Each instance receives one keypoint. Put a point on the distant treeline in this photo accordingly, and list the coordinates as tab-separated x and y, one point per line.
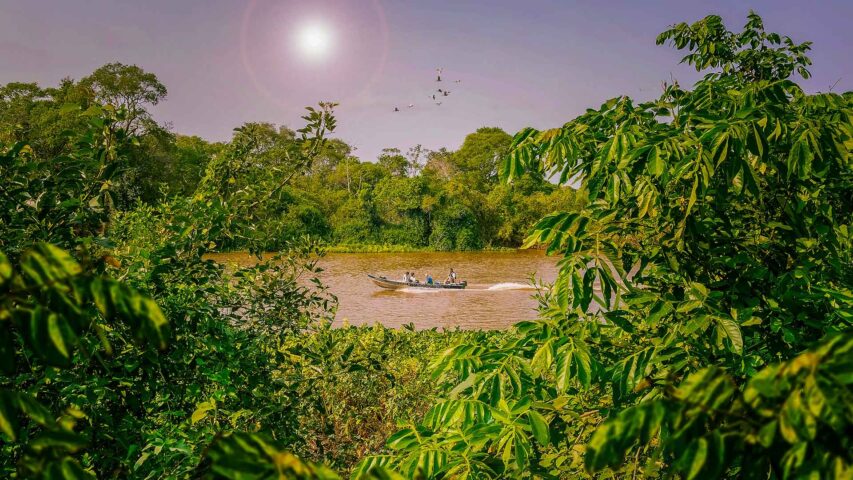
435	199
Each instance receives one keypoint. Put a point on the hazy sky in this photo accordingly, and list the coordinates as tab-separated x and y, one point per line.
521	63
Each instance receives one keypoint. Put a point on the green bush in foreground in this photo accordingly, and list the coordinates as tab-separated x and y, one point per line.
700	323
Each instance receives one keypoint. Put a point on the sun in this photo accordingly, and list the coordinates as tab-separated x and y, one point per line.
314	40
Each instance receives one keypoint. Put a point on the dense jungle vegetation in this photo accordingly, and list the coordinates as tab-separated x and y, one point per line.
420	199
700	326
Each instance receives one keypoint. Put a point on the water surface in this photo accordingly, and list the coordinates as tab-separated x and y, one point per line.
498	294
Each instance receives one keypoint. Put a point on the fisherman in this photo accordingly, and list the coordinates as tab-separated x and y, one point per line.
451	277
429	279
406	278
414	278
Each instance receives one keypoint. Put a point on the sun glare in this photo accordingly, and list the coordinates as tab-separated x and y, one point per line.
314	40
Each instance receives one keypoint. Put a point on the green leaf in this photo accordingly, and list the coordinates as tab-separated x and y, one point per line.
201	410
69	108
620	319
403	439
730	330
522	451
704	457
67	469
247	455
49	336
720	148
59	439
573	361
659	310
655	162
544	357
9	414
632	427
539	427
34	410
45	263
5	269
373	467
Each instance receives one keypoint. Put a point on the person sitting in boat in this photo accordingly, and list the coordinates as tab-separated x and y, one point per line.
406	278
414	278
429	279
451	277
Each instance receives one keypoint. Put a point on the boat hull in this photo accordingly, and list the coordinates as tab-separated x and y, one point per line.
395	285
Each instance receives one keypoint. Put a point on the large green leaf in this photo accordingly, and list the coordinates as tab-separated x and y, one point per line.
539	427
730	330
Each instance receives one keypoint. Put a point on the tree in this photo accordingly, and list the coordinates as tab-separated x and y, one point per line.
66	200
416	156
261	160
128	87
752	55
477	159
700	322
42	117
439	165
93	378
18	100
394	161
190	157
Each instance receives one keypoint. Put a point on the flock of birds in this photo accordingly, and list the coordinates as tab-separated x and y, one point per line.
438	93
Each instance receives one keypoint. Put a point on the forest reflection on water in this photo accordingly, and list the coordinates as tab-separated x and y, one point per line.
499	292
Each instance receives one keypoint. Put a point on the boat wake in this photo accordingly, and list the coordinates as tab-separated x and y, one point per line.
425	290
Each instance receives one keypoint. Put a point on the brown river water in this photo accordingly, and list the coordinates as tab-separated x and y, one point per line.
498	295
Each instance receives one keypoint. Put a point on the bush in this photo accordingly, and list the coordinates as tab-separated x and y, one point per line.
454	228
700	322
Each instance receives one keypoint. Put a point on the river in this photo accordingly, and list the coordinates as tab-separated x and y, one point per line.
498	293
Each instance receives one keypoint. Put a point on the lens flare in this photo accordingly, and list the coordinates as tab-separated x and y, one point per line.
291	42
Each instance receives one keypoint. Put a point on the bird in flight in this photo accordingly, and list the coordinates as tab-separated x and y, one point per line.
437	94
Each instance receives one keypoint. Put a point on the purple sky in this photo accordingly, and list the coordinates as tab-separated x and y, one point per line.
536	63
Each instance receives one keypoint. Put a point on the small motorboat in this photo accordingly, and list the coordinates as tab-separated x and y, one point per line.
395	285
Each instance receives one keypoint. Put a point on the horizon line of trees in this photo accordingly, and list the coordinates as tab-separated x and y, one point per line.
441	199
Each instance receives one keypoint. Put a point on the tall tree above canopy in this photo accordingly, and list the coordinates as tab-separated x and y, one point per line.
128	87
394	161
479	154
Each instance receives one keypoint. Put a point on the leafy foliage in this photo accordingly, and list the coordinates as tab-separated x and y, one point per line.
287	183
54	314
67	199
249	456
712	250
699	326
